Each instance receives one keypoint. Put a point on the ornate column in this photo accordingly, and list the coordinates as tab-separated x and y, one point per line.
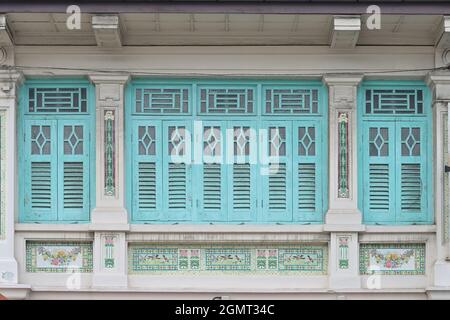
109	219
439	83
10	82
110	186
343	210
343	218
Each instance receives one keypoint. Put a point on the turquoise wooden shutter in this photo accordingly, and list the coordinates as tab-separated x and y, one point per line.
73	168
40	170
212	172
177	170
307	188
276	199
379	171
147	170
242	170
411	171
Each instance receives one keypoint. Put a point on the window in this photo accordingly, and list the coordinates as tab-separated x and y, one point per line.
228	152
396	153
56	151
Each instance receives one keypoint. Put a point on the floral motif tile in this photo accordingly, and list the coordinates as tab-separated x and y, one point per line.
58	256
392	259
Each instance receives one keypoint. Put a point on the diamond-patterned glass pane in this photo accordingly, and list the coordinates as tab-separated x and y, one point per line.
147	140
306	141
378	142
277	141
40	140
73	140
241	141
212	141
177	140
410	141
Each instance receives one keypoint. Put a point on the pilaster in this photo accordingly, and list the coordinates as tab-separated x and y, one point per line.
109	219
439	83
343	213
10	82
110	212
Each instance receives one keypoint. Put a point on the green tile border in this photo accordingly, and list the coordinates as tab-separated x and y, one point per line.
227	259
86	251
368	249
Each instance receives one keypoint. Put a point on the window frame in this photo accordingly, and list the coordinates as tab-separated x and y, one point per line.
396	120
258	116
88	117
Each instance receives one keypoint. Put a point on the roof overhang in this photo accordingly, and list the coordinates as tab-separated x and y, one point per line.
404	7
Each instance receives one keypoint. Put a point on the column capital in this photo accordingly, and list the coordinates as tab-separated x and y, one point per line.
333	79
109	78
11	76
439	83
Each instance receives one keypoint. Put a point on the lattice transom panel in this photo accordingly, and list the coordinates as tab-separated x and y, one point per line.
291	101
162	100
227	101
57	100
394	101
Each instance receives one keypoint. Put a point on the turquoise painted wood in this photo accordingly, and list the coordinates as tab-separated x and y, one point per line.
222	173
177	170
396	156
211	173
242	137
276	194
379	167
307	173
147	167
57	152
411	180
40	170
73	170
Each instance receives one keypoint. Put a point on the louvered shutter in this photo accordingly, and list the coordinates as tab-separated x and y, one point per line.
177	204
147	170
40	181
212	172
307	189
379	170
242	170
276	171
73	168
411	173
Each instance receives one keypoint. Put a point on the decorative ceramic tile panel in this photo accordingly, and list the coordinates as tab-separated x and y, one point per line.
392	259
110	153
446	214
343	242
228	259
2	175
58	256
343	160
